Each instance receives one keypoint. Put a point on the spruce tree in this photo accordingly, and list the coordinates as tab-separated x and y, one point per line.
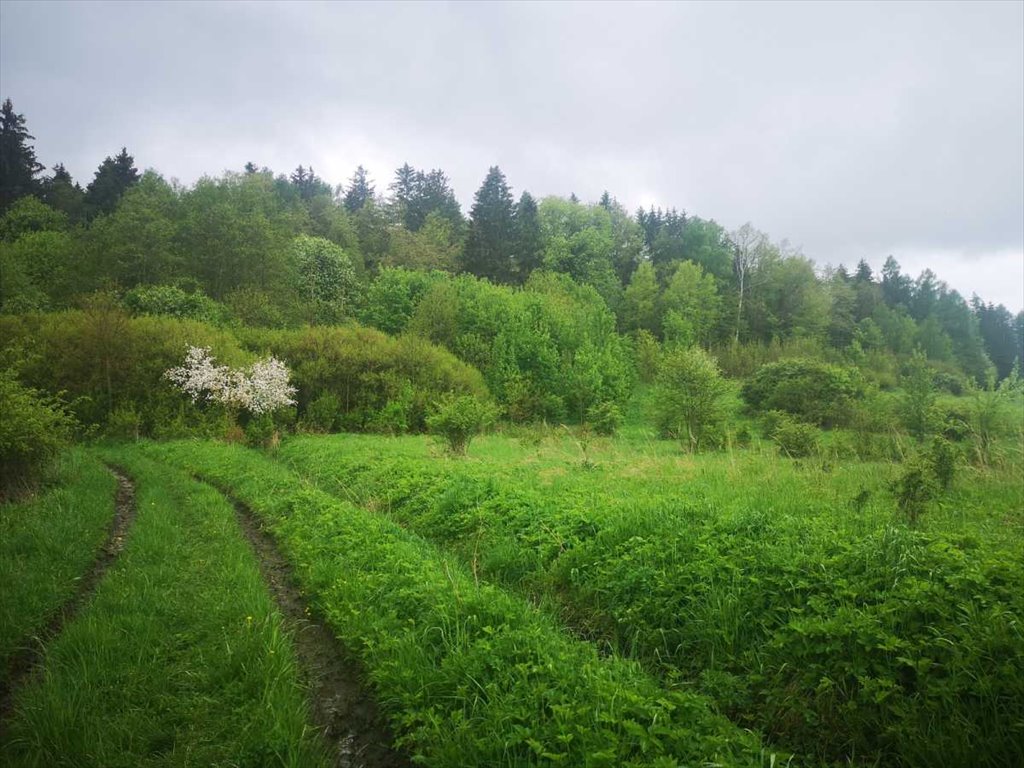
308	184
491	230
405	190
529	253
115	176
863	273
18	164
62	193
359	192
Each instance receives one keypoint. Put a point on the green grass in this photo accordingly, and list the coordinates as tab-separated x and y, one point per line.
469	674
180	658
47	544
827	624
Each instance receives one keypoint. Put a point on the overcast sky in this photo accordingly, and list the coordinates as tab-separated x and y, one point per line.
853	130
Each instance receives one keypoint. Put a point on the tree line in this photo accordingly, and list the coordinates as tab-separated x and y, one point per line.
275	250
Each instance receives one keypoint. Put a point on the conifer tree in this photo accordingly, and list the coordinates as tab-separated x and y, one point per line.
491	229
62	193
113	178
529	247
18	164
360	190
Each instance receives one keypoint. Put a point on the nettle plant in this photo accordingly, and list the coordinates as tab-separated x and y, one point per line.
258	390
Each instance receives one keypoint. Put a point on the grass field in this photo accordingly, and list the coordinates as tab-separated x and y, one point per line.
179	658
544	600
790	593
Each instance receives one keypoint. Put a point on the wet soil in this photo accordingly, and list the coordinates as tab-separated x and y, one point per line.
343	707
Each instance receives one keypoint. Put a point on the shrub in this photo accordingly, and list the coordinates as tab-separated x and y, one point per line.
815	392
948	382
381	383
943	457
605	418
322	414
260	432
459	418
172	301
34	428
914	488
689	398
795	439
918	400
124	423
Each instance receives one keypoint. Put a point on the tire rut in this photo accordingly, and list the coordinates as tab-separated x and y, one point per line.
27	662
343	708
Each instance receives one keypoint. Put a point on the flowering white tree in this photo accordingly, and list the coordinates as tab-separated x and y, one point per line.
259	389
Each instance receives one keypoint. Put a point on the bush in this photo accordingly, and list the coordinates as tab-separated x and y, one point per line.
172	301
124	423
815	392
605	418
260	432
794	439
689	398
34	428
914	488
458	419
380	383
943	457
918	400
322	414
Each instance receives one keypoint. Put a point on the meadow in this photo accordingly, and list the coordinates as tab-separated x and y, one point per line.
549	598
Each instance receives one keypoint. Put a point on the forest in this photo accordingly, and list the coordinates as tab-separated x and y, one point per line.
569	484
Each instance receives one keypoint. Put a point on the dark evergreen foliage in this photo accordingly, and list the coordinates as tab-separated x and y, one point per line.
18	164
113	178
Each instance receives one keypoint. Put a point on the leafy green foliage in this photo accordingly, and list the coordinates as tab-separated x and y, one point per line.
605	418
458	419
914	488
33	430
468	673
689	399
795	439
813	391
744	577
171	301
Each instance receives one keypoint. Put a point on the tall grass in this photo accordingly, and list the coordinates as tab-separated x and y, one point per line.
179	659
469	674
789	592
47	543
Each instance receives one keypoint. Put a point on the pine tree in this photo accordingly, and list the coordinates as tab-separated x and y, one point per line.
863	273
360	190
606	201
529	253
405	191
491	229
308	184
18	164
62	193
437	196
115	176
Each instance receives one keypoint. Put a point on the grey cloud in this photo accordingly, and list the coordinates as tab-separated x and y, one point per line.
853	129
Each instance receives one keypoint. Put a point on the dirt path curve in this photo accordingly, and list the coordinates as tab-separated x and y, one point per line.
343	707
26	662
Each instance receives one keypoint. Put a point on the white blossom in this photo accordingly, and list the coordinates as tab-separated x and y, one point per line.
261	388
